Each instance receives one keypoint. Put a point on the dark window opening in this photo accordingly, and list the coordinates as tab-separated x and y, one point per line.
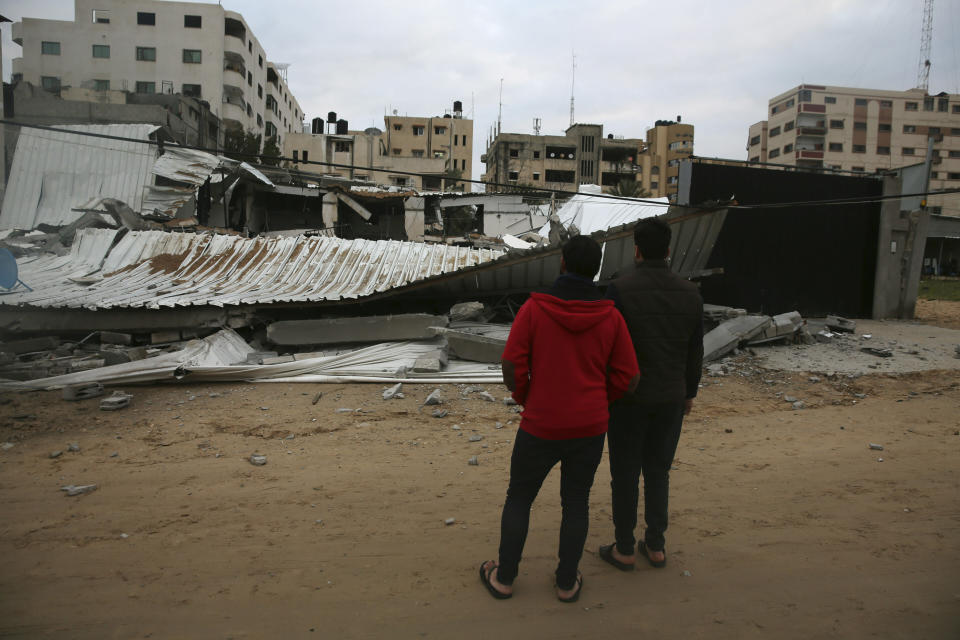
146	18
554	175
192	22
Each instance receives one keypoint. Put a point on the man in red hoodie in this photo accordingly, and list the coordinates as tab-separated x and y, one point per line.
568	356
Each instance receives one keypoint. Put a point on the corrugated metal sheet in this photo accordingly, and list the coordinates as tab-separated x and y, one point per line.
591	214
156	269
54	172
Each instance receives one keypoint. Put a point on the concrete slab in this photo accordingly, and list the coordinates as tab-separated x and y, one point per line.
784	325
468	346
410	326
432	362
731	333
466	311
837	323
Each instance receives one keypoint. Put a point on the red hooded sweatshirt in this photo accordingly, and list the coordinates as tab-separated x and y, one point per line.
571	359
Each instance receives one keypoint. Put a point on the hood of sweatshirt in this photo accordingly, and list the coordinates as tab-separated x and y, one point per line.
576	316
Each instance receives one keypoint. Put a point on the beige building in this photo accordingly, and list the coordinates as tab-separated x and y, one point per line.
584	156
817	126
433	147
200	50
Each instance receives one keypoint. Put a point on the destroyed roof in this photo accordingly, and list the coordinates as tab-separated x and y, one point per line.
54	172
157	269
590	213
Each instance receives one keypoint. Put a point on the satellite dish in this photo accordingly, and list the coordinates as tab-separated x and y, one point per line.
9	272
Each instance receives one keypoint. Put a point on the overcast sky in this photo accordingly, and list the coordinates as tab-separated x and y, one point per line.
714	62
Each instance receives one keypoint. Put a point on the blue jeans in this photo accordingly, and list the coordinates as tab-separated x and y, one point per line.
643	441
532	460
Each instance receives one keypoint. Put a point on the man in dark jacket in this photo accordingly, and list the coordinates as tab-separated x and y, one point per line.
664	314
568	356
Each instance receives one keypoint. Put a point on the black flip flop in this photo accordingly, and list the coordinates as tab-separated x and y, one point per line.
658	564
606	554
485	579
576	594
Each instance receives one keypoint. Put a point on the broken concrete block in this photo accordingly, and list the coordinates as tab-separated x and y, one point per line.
473	461
277	359
785	325
720	313
408	326
82	391
439	413
393	392
466	311
78	489
876	447
118	400
880	352
114	337
840	324
485	395
468	346
258	460
730	333
433	398
510	402
432	362
162	337
824	336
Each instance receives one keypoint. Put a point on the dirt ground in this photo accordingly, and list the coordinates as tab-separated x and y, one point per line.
784	522
943	313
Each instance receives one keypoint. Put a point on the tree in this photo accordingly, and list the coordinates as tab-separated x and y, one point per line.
271	152
451	176
240	145
629	189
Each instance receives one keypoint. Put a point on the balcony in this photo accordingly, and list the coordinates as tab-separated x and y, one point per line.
233	27
16	32
818	130
234	62
806	107
805	153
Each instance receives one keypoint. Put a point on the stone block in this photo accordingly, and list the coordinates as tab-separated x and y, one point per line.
432	362
730	333
468	346
466	311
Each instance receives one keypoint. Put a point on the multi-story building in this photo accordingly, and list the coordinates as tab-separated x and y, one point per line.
438	149
869	130
199	50
583	156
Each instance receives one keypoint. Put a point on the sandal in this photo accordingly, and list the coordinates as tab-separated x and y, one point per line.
485	579
576	594
659	564
606	554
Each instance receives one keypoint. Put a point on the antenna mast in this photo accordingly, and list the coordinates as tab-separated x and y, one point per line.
573	76
500	110
926	37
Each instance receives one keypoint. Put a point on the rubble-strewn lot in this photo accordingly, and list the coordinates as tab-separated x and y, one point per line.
786	523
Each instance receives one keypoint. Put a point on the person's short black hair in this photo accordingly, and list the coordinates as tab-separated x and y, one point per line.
582	256
652	237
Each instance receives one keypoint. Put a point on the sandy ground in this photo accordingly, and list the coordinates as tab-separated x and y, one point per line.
785	524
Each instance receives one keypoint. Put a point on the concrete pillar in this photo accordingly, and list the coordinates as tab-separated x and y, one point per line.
329	210
413	218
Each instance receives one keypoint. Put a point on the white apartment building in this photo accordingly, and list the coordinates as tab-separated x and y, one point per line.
151	46
868	130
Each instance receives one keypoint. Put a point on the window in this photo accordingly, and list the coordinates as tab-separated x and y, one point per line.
859	126
536	176
192	90
909	128
910	106
836	124
787	148
305	156
50	83
417	153
463	163
259	90
654	185
295	155
101	85
754	140
655	171
147	54
955	154
928	104
933	130
50	48
513	175
774	154
860	102
146	87
250	46
805	95
942	104
788	126
836	146
442	154
859	148
672	180
774	132
192	22
101	16
440	131
259	120
101	51
774	110
755	159
249	110
954	131
514	153
260	61
145	18
555	175
790	103
455	138
886	104
955	108
192	56
883	127
909	151
953	176
417	130
536	154
396	151
829	100
249	79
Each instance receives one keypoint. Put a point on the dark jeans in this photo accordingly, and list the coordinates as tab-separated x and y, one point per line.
643	440
532	460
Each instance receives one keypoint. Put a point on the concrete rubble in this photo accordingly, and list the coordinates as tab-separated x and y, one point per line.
836	323
728	335
410	326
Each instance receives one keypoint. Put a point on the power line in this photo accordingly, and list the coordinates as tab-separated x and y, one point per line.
514	188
